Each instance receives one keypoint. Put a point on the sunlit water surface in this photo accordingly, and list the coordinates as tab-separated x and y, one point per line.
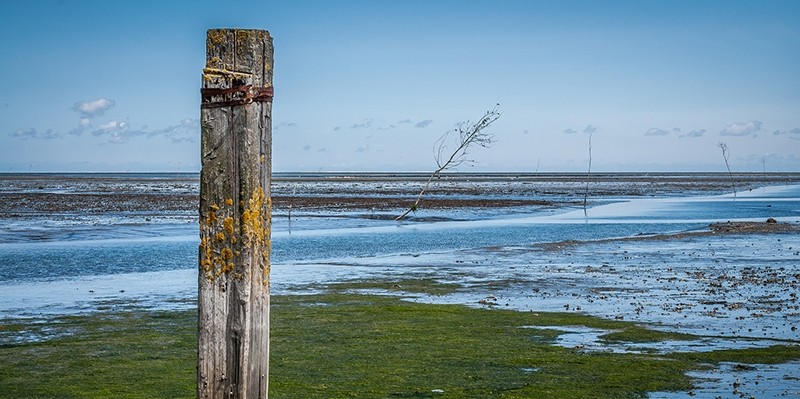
159	260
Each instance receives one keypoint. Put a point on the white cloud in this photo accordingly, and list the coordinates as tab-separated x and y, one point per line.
694	133
89	109
741	129
307	147
109	126
32	133
185	131
372	124
117	132
283	125
589	129
795	131
367	123
424	123
654	131
78	130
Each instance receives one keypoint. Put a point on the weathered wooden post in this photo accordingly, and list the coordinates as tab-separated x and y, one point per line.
235	212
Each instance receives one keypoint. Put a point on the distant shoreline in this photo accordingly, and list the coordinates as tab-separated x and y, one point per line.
425	174
43	195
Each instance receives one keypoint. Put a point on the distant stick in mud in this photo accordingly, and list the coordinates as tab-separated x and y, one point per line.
588	173
468	135
590	131
725	154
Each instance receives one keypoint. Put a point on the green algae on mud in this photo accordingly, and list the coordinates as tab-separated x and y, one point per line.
338	345
384	347
402	286
129	354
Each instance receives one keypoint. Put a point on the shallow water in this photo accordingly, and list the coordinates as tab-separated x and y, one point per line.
742	381
66	252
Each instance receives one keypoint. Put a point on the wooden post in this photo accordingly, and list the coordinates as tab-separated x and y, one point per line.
235	215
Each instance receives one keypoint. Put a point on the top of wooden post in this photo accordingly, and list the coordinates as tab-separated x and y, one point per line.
237	58
242	56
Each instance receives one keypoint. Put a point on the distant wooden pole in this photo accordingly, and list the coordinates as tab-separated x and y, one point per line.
235	215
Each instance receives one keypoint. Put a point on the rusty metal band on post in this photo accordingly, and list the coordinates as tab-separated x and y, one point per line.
239	95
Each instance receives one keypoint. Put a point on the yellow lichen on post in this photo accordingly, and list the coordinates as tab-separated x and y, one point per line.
214	38
208	73
217	237
267	248
253	224
220	231
256	229
227	224
218	53
243	37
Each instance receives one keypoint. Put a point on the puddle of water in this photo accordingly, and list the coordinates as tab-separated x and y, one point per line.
591	340
733	380
530	369
173	289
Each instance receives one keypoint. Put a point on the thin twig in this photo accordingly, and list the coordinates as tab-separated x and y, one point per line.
725	154
588	175
468	135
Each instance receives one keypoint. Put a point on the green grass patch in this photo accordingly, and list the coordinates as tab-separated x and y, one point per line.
341	345
399	286
380	347
639	334
106	355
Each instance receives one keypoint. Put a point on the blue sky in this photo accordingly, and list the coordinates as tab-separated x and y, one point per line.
371	85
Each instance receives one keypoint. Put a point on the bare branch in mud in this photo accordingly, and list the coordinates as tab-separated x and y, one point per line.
457	143
725	154
588	175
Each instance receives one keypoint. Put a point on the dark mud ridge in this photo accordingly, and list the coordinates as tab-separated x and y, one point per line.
770	226
382	203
